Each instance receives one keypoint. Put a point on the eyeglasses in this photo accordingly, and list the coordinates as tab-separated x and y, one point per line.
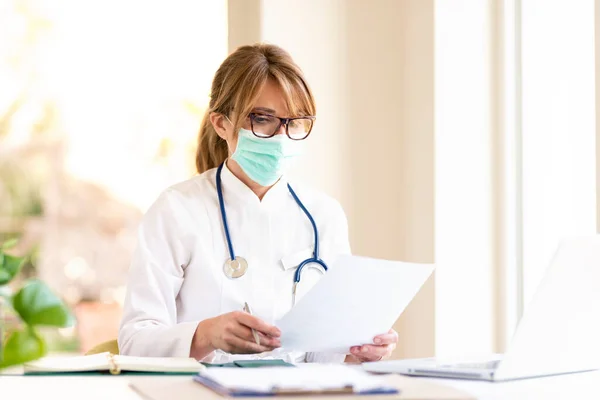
266	126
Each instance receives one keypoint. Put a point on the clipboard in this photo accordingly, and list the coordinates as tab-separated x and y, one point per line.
346	390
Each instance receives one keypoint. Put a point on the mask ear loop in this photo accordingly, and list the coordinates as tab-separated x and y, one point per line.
228	148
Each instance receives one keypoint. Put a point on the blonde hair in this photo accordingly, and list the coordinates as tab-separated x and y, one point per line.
236	86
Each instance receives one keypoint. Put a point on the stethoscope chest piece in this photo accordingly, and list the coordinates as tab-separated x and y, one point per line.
235	268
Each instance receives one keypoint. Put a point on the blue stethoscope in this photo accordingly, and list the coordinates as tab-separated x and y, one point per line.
236	266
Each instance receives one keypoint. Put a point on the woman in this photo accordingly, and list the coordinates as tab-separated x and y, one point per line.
187	284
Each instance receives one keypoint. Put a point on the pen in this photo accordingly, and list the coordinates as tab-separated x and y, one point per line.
254	333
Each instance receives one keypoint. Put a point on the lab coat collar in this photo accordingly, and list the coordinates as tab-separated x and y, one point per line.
274	197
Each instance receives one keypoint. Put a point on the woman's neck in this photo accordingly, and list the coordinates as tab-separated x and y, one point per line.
236	170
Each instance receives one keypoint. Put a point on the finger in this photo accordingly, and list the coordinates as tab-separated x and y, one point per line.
238	345
386	338
256	323
269	341
245	333
371	352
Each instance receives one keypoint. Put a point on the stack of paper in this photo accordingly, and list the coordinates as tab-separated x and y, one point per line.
313	378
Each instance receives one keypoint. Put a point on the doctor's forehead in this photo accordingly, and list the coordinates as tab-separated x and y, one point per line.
271	100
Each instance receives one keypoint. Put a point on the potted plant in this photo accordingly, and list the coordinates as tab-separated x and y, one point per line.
23	310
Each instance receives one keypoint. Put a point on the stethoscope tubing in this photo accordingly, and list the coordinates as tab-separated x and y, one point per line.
224	213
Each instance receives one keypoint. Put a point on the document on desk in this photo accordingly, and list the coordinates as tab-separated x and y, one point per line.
315	379
357	299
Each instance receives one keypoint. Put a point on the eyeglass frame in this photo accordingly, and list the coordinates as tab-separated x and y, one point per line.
282	121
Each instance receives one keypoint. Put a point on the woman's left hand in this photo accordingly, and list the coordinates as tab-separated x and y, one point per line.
382	349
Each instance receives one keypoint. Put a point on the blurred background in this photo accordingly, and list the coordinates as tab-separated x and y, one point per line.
456	131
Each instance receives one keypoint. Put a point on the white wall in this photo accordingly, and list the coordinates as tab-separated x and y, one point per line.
597	99
559	132
391	158
465	288
245	16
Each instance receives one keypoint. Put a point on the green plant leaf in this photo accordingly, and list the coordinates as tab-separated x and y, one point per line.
37	305
4	277
22	346
9	267
8	244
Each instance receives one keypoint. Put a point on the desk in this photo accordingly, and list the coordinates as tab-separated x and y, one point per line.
585	385
575	386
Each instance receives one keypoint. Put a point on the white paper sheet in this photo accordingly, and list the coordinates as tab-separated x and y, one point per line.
315	377
356	300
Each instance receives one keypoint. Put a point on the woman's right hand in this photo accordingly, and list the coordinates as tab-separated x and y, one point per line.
232	333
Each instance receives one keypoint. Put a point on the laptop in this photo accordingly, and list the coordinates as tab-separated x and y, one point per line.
558	333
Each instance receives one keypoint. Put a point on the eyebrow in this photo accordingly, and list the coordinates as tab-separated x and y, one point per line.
265	110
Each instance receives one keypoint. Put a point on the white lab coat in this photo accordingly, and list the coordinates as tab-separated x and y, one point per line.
176	278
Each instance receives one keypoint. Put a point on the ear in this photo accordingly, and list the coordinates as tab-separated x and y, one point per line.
221	125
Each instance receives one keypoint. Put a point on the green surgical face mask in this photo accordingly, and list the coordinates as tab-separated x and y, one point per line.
265	160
